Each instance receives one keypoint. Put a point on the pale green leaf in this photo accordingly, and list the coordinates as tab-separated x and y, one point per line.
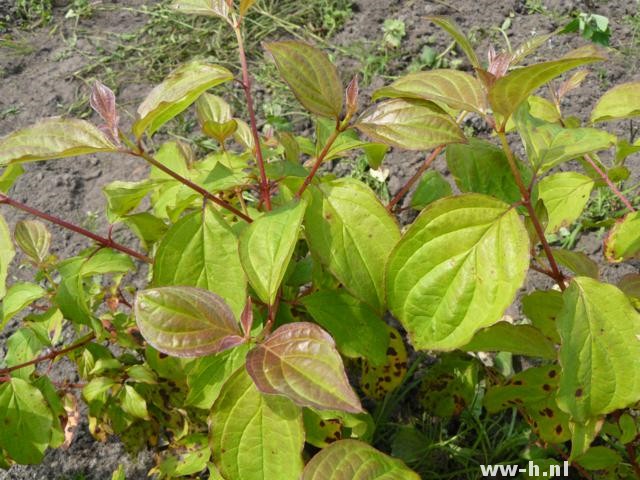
33	238
26	421
9	176
352	234
255	436
311	76
201	250
19	296
122	197
299	361
565	195
53	138
622	101
133	403
623	242
23	346
7	252
456	270
600	333
266	247
341	315
409	124
355	460
517	339
542	308
508	92
212	8
186	321
211	108
578	262
456	89
180	89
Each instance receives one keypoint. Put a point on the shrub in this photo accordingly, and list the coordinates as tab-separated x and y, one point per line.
266	274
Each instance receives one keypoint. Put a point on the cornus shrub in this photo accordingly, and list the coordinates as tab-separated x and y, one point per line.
266	277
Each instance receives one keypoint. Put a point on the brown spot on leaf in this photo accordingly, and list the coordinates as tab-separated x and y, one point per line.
558	429
579	393
552	373
392	351
546	387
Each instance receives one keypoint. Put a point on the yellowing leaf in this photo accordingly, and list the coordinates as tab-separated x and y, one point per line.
180	89
33	238
600	333
453	88
379	380
213	8
53	138
622	101
7	252
565	195
623	241
409	124
456	270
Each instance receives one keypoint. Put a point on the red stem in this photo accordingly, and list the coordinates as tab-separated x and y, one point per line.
193	186
319	160
105	242
246	85
49	356
611	185
423	168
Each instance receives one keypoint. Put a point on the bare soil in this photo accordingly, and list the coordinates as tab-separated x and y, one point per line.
40	82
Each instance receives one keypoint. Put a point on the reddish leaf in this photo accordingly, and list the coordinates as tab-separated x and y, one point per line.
103	101
300	361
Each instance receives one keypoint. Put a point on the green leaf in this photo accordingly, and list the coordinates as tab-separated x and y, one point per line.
201	251
9	176
623	242
209	375
211	108
180	89
19	296
482	167
23	346
578	262
148	228
432	187
600	332
341	315
26	421
355	460
453	88
533	390
352	234
266	247
311	76
7	252
186	321
565	195
456	270
517	339
508	92
33	238
133	403
409	124
463	42
621	101
549	144
53	138
299	360
598	458
255	436
122	197
212	8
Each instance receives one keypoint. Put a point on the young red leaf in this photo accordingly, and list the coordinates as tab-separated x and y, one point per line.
246	319
103	101
299	360
353	89
186	321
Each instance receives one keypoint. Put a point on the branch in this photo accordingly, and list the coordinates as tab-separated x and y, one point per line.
330	141
526	200
246	85
49	356
105	242
193	186
611	185
423	168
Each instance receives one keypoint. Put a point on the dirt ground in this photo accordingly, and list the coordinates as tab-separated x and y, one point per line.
40	82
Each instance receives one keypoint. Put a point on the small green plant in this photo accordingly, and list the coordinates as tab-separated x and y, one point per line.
258	349
591	26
